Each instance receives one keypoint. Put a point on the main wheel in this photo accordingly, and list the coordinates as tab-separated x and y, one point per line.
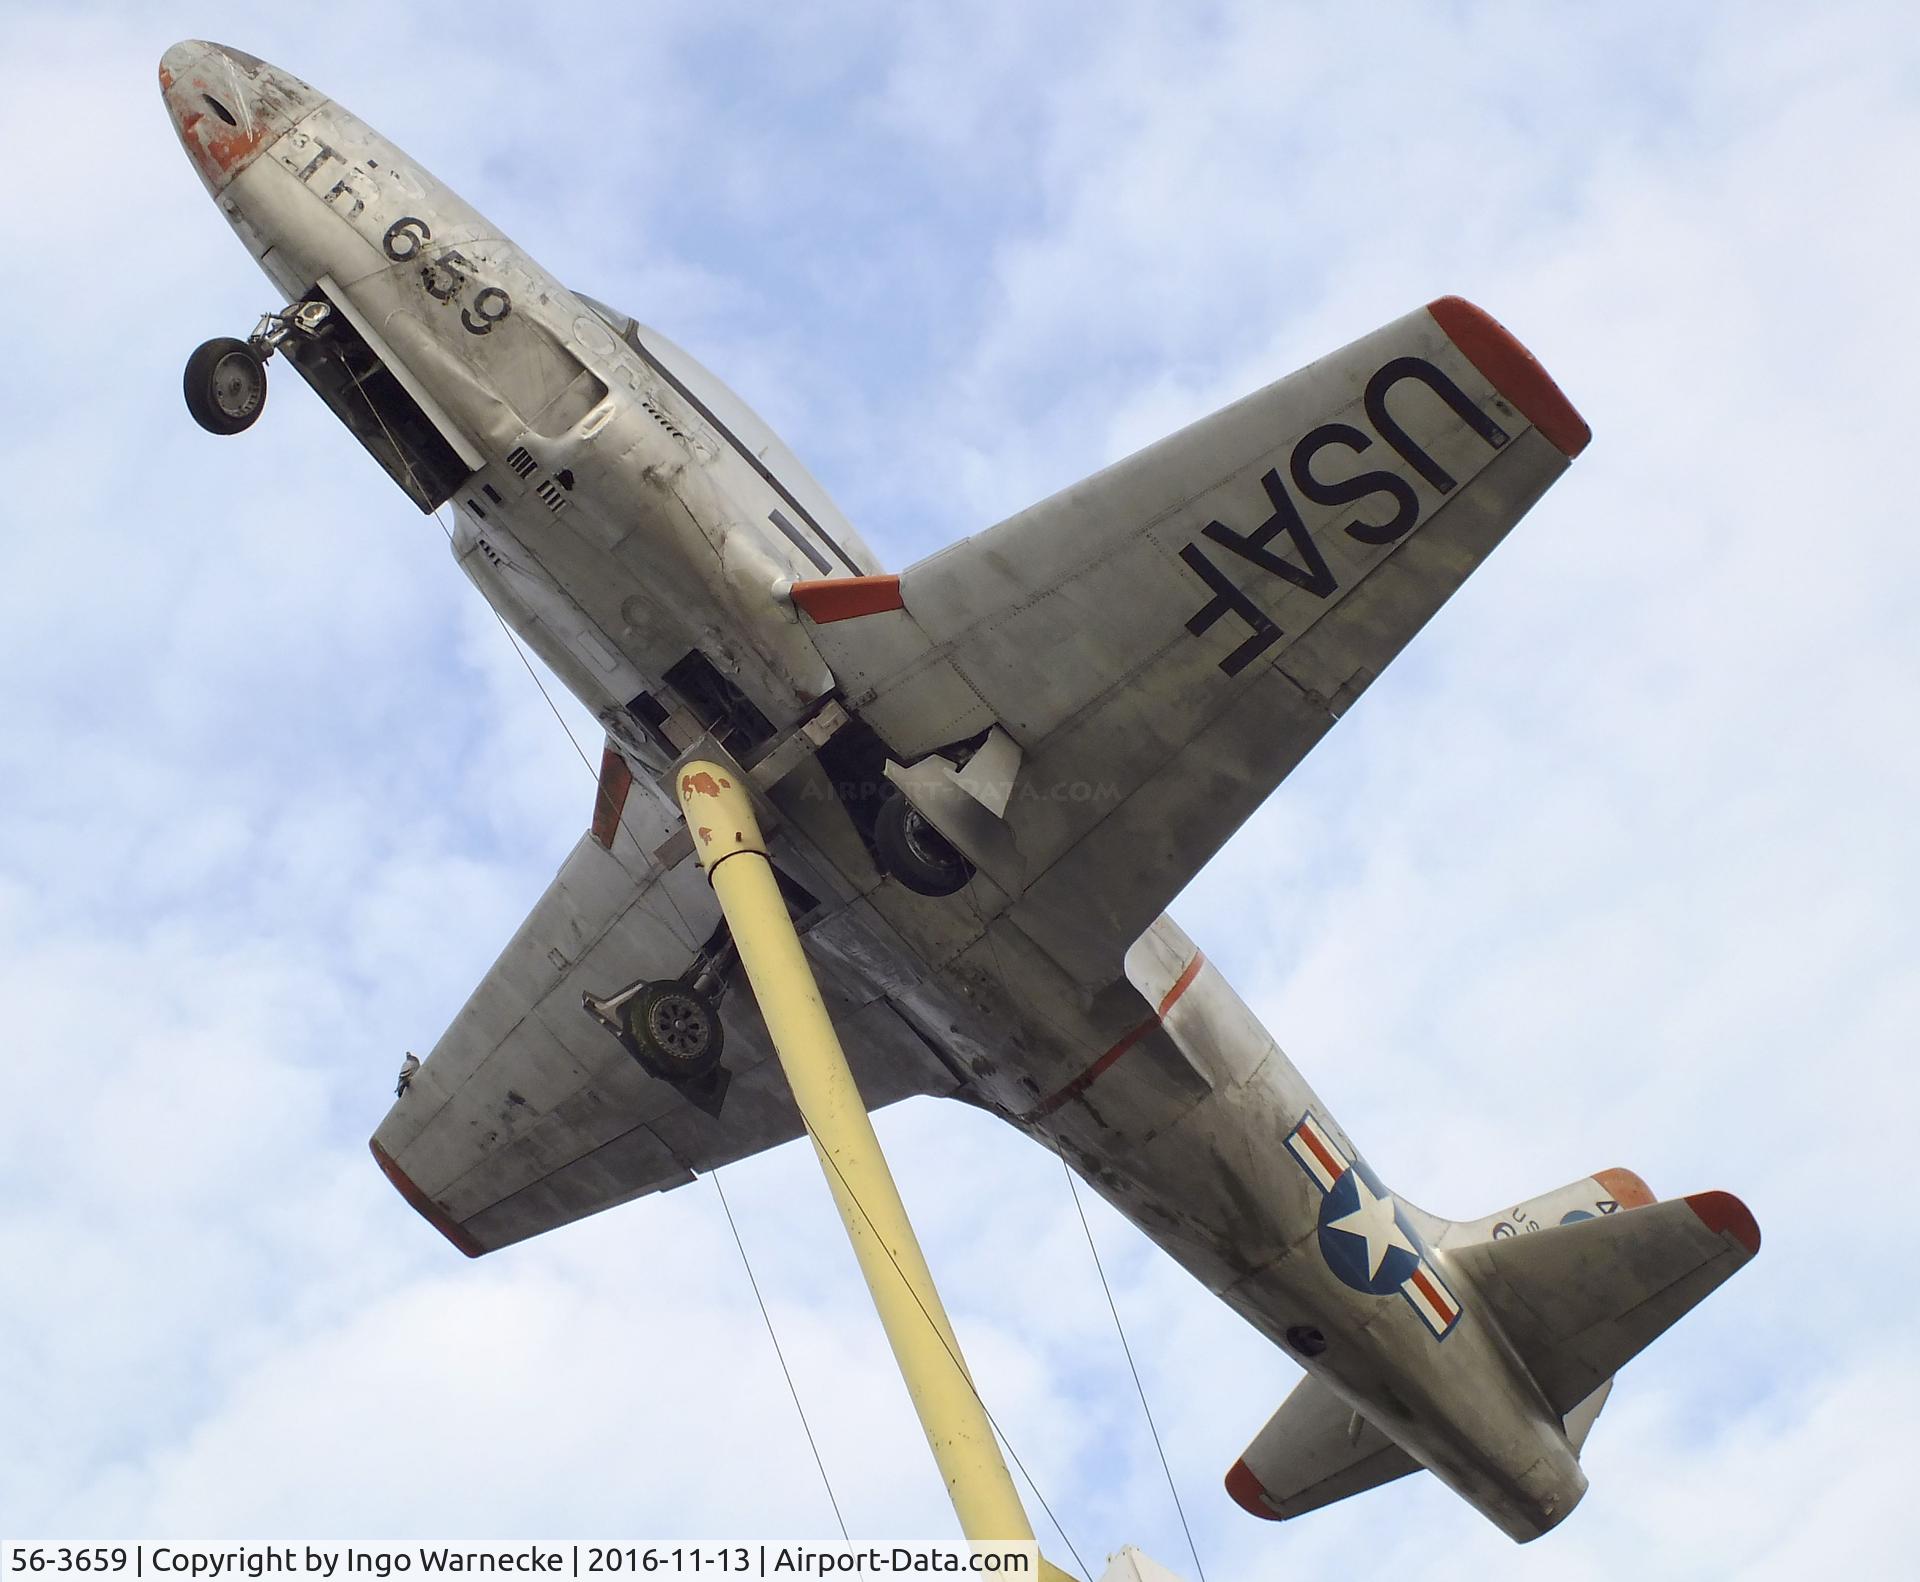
677	1030
225	385
916	853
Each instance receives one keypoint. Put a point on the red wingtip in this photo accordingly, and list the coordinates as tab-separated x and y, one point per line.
842	598
1625	1188
423	1205
1512	370
1247	1493
1722	1211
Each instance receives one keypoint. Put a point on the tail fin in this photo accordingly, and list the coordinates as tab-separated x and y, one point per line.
1583	1296
1580	1280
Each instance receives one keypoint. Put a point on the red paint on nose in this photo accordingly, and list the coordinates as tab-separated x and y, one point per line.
227	106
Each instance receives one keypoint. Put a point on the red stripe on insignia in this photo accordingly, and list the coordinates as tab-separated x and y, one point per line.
423	1205
844	598
1514	371
1432	1293
1087	1078
1332	1165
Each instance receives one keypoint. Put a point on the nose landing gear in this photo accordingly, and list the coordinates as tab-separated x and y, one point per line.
226	379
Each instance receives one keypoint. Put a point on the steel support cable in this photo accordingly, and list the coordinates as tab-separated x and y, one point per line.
1073	1188
713	1175
513	641
824	1154
1024	1473
528	663
873	1230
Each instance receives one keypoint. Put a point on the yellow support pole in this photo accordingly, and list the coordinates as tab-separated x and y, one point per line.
728	842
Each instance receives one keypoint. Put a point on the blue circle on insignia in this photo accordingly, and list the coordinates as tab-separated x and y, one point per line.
1574	1216
1365	1239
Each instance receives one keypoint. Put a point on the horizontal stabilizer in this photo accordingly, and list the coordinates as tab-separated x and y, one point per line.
1316	1449
1579	1301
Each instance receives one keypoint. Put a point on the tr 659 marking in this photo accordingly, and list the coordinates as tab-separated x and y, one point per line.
446	275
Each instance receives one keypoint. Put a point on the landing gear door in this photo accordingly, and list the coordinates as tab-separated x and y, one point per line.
383	405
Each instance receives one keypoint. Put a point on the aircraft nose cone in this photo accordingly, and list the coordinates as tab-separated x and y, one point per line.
228	105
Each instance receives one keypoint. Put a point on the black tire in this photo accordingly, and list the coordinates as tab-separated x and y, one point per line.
916	853
676	1029
225	385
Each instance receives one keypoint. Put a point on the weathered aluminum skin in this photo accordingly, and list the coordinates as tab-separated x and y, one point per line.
628	509
625	530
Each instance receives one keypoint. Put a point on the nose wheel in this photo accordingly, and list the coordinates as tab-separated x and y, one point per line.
226	379
226	385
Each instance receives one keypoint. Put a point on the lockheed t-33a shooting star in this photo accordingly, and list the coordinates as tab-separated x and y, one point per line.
983	779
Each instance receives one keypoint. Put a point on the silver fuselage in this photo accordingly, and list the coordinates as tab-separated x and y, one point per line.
623	511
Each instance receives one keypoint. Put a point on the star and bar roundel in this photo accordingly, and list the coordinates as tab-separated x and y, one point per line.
1367	1241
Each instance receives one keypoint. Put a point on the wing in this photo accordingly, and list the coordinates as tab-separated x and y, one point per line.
1316	1449
1580	1301
529	1114
1146	655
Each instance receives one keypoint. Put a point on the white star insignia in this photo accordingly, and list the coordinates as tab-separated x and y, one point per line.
1375	1222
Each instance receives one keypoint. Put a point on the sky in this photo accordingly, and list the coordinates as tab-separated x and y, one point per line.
1614	867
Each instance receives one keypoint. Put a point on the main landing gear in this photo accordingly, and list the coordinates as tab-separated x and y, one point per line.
676	1027
916	853
226	379
671	1026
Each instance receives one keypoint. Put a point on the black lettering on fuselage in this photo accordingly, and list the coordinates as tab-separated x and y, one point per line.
343	189
321	154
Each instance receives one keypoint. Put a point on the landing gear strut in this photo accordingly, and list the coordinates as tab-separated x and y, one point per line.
226	379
